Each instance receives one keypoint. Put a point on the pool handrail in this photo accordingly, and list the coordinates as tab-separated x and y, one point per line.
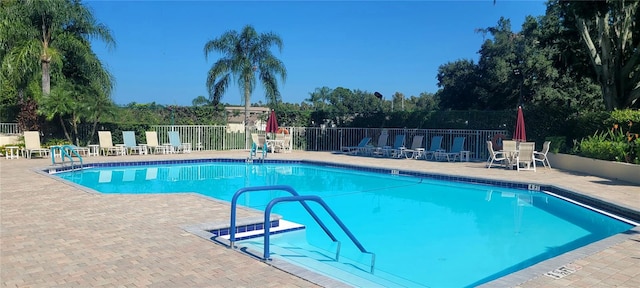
286	188
302	199
64	152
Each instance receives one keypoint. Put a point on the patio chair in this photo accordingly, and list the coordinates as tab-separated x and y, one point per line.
176	144
373	150
354	149
416	150
436	146
494	156
510	150
456	148
129	139
106	144
284	142
395	151
152	143
32	144
525	157
542	156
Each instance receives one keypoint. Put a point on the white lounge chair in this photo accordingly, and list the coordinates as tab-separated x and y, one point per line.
372	150
106	144
32	144
494	156
152	143
416	150
542	156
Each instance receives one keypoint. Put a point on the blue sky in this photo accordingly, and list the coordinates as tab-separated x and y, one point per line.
384	46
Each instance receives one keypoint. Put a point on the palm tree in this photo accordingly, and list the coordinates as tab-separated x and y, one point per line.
52	39
48	28
245	54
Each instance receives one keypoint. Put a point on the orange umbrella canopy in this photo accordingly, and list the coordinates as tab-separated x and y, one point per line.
272	123
520	134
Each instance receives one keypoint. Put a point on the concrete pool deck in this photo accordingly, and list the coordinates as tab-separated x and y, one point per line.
55	234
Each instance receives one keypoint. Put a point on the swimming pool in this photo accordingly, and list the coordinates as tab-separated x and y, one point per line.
424	231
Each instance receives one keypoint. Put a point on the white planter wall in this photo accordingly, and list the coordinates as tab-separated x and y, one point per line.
9	140
606	169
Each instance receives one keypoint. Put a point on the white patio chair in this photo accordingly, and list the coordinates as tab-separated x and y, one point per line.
494	156
542	156
525	157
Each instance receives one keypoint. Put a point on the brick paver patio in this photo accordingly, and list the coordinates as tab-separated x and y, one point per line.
53	234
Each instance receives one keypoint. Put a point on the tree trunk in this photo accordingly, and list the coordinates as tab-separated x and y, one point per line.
93	129
46	77
247	105
74	126
64	128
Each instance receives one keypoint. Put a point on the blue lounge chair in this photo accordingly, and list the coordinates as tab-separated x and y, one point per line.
436	146
395	150
456	148
129	139
176	144
354	149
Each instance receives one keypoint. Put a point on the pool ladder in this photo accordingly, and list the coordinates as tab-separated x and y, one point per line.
254	152
65	151
299	198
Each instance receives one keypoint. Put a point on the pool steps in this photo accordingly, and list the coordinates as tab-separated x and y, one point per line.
302	199
319	261
277	227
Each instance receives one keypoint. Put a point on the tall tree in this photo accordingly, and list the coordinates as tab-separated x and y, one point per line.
609	30
51	39
458	81
245	54
49	27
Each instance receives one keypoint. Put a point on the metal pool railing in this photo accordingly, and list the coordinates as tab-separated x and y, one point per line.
295	197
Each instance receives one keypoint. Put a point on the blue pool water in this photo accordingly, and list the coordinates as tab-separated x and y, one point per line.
424	232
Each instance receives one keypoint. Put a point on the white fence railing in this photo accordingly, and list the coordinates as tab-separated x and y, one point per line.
219	137
9	128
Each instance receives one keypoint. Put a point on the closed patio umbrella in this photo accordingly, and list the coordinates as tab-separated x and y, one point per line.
519	134
272	123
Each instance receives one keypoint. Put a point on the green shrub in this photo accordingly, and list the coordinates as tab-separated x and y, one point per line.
593	147
55	142
614	144
558	143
